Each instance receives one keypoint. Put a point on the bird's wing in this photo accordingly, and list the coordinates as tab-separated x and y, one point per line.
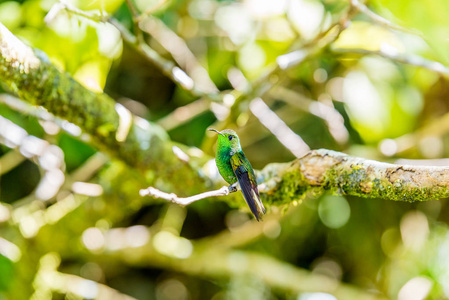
247	180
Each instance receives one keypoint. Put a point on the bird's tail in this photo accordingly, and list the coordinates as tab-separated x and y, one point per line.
252	198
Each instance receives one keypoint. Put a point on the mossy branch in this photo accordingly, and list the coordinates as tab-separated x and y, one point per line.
325	170
34	79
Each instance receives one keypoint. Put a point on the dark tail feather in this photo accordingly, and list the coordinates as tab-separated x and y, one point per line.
251	195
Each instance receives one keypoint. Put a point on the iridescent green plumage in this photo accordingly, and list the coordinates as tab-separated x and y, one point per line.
234	166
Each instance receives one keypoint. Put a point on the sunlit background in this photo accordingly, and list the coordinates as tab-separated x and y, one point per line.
288	76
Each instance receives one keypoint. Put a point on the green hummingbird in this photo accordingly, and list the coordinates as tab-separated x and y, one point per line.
234	166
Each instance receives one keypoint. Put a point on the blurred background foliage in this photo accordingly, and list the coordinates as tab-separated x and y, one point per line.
379	91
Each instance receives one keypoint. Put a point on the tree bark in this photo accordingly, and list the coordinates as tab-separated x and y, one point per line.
325	170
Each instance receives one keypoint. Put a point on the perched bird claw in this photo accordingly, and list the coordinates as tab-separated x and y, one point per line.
232	188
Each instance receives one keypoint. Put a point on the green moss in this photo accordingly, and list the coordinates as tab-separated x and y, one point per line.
293	187
357	181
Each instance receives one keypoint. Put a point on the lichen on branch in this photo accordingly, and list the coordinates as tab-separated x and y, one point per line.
325	170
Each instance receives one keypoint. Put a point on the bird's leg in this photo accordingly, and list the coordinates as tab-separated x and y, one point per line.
233	187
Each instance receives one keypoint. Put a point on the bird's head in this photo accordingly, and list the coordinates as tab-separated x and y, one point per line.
227	138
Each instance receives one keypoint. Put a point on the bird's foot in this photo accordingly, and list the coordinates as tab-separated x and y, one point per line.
233	187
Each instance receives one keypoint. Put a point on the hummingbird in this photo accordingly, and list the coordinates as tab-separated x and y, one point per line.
235	167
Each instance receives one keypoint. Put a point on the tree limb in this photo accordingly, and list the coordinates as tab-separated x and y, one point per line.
326	170
322	170
34	79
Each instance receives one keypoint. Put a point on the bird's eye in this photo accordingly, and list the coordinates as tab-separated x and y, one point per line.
230	137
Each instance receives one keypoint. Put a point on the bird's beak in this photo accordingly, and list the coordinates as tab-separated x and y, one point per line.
211	129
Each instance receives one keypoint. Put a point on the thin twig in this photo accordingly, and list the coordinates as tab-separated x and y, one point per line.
436	128
25	108
151	191
10	160
132	9
151	10
89	168
168	67
247	232
135	14
70	196
40	113
48	279
278	128
49	157
392	54
333	119
64	5
274	73
179	51
381	20
183	114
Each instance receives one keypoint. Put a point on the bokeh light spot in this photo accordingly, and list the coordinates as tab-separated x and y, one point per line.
334	211
93	239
